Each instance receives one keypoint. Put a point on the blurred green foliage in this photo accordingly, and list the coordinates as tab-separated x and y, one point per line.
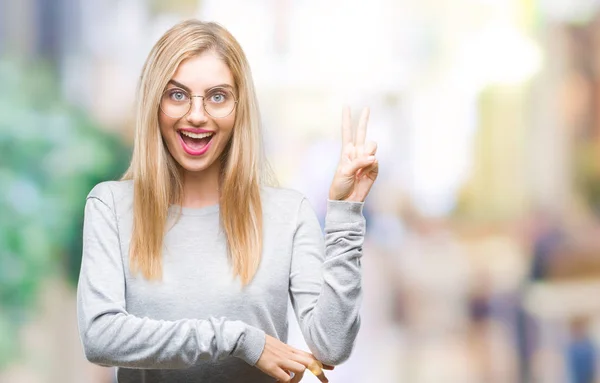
51	155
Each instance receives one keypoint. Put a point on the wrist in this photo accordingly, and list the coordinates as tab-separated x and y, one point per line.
251	345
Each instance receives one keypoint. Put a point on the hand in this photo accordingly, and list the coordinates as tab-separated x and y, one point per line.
358	168
316	368
279	359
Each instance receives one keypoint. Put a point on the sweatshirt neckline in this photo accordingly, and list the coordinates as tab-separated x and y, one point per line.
194	211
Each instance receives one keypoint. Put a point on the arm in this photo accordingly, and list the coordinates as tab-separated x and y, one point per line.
111	336
327	306
327	303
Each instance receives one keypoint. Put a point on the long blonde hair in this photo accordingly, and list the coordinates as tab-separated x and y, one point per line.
157	176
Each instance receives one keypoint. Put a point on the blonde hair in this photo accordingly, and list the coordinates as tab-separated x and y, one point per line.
157	176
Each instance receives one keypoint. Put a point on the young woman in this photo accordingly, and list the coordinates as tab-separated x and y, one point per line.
189	260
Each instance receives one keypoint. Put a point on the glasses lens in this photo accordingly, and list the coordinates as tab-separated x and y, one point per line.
175	102
219	102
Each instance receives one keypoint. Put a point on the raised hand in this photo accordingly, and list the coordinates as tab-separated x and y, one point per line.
358	167
279	360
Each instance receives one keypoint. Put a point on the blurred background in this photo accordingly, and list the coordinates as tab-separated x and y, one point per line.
482	258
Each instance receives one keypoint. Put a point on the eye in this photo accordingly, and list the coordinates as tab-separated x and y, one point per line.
178	95
218	98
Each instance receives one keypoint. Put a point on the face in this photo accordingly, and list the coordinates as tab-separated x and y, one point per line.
196	139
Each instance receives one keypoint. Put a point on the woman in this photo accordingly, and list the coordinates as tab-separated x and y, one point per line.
188	261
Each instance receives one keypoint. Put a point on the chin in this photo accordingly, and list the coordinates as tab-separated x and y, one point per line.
195	166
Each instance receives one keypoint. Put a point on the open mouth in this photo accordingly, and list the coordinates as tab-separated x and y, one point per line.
195	143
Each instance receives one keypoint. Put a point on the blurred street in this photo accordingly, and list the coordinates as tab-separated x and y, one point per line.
482	257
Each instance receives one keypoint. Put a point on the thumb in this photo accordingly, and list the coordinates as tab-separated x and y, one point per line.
358	163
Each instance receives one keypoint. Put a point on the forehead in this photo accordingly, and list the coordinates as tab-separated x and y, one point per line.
203	71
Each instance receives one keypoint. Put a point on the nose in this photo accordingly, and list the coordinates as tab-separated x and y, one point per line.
197	114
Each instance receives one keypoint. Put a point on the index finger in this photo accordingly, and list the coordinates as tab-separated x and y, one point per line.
316	368
346	127
322	377
309	360
361	130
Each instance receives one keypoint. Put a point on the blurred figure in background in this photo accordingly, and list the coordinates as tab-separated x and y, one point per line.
582	359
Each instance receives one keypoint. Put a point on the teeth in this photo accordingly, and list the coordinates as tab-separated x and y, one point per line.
194	135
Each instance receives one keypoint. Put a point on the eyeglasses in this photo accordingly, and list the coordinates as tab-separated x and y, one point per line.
217	102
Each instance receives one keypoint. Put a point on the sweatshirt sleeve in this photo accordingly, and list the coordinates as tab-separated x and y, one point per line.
325	278
113	337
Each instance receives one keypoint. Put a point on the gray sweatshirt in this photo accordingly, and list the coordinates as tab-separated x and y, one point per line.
198	324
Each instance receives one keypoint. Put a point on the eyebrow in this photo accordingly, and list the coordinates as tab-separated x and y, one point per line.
184	87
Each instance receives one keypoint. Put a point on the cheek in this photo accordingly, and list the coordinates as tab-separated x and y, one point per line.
227	125
165	124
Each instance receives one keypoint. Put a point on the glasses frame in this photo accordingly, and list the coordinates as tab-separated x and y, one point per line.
191	102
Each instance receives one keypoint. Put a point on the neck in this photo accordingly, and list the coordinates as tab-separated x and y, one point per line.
201	189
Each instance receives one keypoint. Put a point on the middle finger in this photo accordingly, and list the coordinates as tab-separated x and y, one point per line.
370	148
361	130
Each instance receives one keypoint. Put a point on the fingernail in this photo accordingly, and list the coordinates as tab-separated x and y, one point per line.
371	158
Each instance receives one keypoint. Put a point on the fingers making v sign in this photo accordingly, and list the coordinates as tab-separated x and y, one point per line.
358	166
